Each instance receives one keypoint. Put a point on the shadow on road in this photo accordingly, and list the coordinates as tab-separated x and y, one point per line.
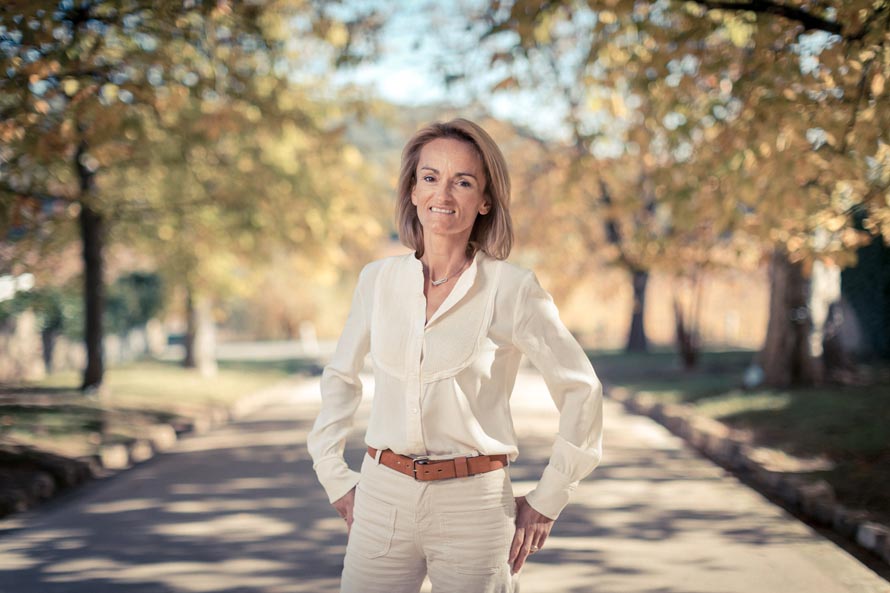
240	510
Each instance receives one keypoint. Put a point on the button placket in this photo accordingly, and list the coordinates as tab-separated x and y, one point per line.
414	382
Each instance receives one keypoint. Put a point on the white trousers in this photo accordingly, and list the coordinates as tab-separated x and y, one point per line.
458	531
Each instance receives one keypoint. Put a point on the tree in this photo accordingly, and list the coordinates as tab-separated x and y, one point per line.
286	186
775	117
85	80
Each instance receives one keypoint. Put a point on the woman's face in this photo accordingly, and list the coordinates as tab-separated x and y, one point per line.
450	187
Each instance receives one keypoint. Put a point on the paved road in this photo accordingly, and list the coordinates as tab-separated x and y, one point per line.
239	510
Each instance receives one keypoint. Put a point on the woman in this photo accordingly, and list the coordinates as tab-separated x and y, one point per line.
446	327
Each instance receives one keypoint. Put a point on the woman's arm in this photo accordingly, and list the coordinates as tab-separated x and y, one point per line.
576	390
341	393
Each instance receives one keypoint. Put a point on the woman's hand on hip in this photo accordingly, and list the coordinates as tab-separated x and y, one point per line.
532	529
344	506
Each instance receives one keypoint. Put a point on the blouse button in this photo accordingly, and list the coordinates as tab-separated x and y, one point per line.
414	410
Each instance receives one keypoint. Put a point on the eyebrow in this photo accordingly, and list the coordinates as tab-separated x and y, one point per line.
458	174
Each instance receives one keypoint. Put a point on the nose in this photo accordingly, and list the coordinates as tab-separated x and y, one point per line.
444	190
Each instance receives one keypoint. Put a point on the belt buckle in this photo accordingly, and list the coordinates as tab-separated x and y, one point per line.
422	460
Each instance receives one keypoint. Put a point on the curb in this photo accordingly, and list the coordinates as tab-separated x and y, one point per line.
732	449
57	474
161	437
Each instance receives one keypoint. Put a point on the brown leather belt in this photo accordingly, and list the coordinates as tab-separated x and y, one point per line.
439	469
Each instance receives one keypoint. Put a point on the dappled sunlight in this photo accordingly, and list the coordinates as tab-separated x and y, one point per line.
180	576
654	498
70	544
83	565
232	485
242	527
122	506
252	517
775	460
222	506
256	483
228	439
17	560
238	508
735	402
49	535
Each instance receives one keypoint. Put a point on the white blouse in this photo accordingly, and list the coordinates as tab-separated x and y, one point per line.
442	389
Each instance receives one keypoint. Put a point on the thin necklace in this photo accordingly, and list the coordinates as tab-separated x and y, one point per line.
445	279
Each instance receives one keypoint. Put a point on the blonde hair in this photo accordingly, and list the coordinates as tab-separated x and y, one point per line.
492	232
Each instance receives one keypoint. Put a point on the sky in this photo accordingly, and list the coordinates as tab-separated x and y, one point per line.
422	40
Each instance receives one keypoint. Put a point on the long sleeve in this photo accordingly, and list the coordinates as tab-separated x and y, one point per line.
575	388
341	393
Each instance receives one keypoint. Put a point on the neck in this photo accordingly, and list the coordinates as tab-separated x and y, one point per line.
442	257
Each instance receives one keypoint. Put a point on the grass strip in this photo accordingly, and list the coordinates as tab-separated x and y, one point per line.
840	433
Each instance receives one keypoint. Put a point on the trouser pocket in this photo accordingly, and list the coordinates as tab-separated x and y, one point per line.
478	540
373	525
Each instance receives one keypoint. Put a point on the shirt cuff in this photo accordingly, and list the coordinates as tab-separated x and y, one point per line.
552	493
336	478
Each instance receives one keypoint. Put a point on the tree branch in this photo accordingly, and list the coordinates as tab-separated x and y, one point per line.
808	20
869	22
860	93
6	189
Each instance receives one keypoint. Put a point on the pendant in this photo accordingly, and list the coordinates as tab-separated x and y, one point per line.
438	282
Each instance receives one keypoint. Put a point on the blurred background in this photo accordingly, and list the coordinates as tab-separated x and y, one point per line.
189	190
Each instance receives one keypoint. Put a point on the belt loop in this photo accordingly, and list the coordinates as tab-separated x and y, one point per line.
377	456
461	469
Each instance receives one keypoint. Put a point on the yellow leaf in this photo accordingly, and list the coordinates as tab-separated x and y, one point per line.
253	114
109	91
739	32
542	31
781	141
877	85
835	223
338	35
352	156
619	108
70	86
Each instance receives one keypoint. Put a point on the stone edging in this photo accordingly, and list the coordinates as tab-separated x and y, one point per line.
161	437
57	473
731	449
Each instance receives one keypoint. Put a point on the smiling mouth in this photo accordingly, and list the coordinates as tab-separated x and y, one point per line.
442	210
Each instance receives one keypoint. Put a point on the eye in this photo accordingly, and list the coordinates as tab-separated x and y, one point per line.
429	178
464	183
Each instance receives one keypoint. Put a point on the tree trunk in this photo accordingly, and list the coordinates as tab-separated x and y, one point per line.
838	364
686	336
48	338
636	340
200	336
786	357
92	230
188	340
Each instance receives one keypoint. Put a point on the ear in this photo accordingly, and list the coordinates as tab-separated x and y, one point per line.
485	208
414	193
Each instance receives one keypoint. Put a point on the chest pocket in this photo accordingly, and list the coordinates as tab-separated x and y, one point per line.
391	320
451	342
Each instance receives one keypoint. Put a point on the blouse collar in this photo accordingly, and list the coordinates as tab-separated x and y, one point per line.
464	282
